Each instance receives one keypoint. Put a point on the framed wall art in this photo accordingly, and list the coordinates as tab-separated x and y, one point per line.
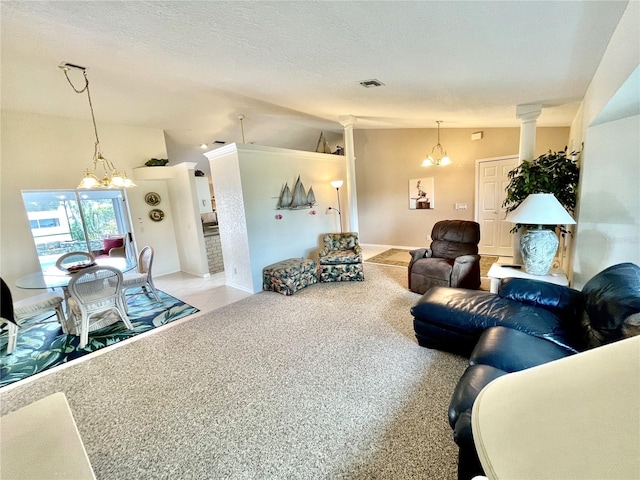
421	194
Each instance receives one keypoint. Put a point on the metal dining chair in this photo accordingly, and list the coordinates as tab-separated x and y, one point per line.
15	314
96	301
142	278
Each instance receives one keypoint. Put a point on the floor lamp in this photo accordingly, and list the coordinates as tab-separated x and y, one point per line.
337	184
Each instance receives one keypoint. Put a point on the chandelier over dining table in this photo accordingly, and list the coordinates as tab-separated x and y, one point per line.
111	177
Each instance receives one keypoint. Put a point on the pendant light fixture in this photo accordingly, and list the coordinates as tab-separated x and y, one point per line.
441	158
111	177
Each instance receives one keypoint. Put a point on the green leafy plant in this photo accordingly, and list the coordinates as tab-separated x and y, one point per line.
157	162
553	172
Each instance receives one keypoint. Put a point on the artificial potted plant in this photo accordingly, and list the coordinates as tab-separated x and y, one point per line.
553	172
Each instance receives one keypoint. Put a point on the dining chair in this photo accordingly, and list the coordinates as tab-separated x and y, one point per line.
14	314
68	259
96	301
117	245
142	278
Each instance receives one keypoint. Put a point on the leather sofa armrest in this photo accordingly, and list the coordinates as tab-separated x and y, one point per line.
563	301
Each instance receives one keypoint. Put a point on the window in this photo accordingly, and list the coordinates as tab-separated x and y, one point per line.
44	223
64	221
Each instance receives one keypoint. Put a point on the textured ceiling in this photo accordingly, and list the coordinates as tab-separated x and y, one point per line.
191	67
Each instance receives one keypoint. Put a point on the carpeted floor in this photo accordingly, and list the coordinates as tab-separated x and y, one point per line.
42	345
400	258
326	384
394	256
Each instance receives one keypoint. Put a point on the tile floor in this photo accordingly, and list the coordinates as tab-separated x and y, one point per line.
204	293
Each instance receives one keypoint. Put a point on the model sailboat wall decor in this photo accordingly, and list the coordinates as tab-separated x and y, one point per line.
298	199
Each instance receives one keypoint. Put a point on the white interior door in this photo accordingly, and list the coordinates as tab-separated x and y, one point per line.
492	181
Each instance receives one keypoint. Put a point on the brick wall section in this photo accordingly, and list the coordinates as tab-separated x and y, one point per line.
214	253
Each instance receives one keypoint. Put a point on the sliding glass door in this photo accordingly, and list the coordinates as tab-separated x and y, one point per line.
75	220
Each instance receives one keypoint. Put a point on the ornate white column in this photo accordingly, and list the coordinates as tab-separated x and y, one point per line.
528	116
348	121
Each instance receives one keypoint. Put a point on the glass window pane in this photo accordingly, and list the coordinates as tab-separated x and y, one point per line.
74	220
55	230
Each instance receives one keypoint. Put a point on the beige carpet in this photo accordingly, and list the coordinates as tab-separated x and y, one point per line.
326	384
400	258
394	256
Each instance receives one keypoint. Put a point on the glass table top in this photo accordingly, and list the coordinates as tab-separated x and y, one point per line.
53	277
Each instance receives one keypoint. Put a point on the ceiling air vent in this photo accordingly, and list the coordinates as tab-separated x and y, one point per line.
371	83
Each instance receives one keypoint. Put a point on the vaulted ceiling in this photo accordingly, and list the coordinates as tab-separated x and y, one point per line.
190	67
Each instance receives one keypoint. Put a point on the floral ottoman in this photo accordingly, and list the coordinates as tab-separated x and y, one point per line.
289	276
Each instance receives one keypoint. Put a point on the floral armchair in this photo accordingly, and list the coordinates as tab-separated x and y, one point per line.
341	258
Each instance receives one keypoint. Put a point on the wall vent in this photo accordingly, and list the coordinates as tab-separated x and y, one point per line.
371	83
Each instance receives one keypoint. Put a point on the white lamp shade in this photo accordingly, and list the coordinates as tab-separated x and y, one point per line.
337	183
540	209
427	162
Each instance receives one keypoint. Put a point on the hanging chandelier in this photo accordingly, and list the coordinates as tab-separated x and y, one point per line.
441	158
111	178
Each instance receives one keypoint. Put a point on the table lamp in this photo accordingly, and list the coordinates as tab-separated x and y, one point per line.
538	244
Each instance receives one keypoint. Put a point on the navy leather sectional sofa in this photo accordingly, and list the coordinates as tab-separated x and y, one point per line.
527	323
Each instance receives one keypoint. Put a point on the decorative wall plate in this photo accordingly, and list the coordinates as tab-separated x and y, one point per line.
152	198
156	215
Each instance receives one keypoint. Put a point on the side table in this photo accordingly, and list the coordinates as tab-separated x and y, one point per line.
498	271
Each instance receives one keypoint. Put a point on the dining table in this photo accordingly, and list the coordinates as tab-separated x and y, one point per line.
53	277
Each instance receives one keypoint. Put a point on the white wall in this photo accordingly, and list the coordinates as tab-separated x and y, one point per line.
248	180
232	222
159	235
187	222
181	211
608	229
608	224
620	59
49	152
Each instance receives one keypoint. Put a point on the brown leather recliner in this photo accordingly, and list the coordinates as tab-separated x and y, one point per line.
452	260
